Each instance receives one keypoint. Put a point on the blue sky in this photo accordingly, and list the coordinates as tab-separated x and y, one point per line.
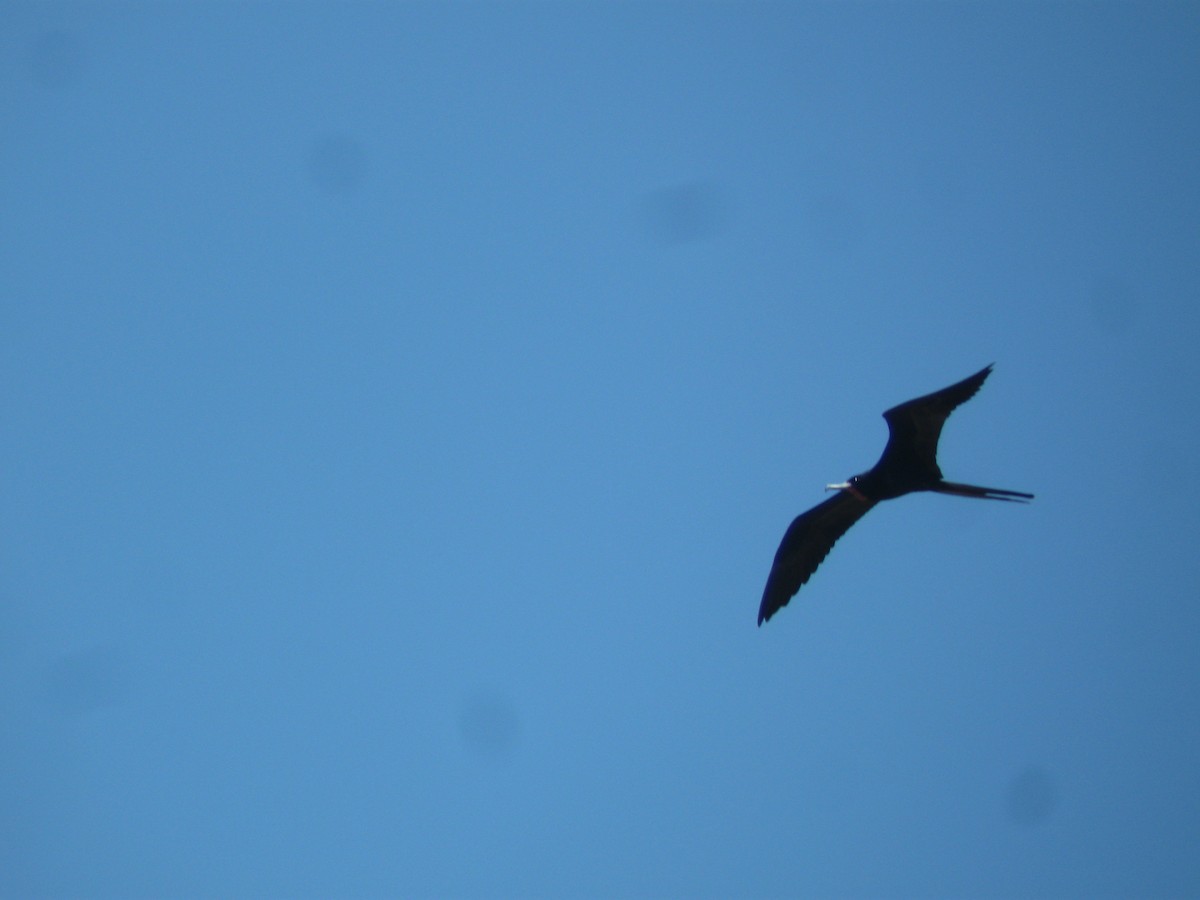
402	404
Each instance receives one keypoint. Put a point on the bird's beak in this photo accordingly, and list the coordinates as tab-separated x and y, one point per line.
847	487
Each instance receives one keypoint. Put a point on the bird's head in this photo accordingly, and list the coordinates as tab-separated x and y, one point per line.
850	487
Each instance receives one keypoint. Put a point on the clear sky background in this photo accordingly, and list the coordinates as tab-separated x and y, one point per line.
402	404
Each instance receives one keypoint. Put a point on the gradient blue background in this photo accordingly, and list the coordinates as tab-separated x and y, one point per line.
402	404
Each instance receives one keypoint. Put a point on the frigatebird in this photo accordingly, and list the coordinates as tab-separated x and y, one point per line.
908	463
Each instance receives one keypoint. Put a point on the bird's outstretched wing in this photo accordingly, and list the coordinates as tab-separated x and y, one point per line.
806	543
915	427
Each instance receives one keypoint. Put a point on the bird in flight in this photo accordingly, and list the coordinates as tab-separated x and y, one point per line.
908	463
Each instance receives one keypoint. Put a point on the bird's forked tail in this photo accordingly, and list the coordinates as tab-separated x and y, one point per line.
983	493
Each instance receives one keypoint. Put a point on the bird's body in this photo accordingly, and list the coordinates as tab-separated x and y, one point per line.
909	463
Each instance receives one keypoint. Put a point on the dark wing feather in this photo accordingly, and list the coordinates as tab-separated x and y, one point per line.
915	427
806	543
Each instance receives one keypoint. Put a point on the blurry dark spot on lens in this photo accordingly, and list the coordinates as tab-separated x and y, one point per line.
1031	797
337	164
686	212
488	724
87	679
55	59
1113	305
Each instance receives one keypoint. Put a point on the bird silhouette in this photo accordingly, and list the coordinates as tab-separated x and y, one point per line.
908	464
